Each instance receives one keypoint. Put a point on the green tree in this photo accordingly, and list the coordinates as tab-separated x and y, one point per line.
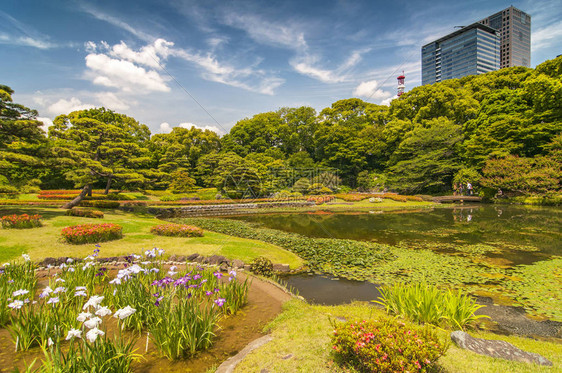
520	175
427	159
22	142
98	144
181	182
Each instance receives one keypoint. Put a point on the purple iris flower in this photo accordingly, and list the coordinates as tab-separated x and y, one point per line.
208	293
218	275
220	301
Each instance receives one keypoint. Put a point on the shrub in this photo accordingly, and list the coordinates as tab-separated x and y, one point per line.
386	346
262	266
320	199
427	304
100	204
85	213
21	221
92	233
178	230
120	197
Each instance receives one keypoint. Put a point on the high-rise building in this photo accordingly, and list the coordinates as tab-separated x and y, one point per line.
514	27
474	49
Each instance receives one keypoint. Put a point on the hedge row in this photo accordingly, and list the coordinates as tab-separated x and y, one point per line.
335	256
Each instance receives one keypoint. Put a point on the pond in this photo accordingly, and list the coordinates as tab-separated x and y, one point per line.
511	253
523	234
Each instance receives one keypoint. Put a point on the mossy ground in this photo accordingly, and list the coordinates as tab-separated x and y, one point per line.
302	335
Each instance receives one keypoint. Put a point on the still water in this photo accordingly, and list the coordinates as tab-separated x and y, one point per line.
508	226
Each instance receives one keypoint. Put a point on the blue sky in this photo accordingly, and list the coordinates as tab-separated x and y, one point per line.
211	63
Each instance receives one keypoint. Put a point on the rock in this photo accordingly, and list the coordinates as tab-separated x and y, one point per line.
216	260
191	258
286	357
48	261
497	349
247	267
224	267
236	263
281	268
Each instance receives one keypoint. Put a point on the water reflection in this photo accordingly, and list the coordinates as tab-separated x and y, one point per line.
503	226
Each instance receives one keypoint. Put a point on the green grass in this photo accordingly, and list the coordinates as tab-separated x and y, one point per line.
304	331
46	241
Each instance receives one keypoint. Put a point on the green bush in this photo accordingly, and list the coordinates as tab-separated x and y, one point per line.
386	346
177	230
100	204
85	213
262	266
427	304
120	197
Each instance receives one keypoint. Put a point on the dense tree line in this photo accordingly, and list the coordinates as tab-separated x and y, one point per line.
497	130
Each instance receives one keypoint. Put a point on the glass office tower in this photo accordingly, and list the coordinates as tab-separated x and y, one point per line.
473	49
514	28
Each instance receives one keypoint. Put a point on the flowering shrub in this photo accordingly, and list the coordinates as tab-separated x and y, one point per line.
386	346
178	230
92	233
21	221
320	199
85	213
355	197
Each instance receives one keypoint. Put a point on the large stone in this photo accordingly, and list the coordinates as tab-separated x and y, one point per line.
216	260
192	257
236	263
497	349
281	268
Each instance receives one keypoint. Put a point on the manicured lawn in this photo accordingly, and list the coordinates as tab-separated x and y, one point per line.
302	336
47	242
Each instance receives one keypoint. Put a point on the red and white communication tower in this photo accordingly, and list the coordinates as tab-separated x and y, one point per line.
401	85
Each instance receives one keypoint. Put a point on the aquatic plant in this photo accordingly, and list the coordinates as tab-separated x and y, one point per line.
385	346
425	303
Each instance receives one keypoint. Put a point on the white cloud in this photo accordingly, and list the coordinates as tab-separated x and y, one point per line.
546	36
371	90
248	78
25	41
167	128
110	101
63	106
122	74
388	100
203	128
289	36
149	55
266	32
47	122
116	22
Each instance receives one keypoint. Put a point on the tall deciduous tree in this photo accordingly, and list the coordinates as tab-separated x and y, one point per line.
98	144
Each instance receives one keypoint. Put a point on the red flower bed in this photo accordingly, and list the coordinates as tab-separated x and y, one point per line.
92	233
177	230
21	221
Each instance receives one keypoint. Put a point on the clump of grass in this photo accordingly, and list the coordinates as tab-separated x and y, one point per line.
425	303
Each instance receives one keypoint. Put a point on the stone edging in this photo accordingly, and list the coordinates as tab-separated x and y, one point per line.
231	363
